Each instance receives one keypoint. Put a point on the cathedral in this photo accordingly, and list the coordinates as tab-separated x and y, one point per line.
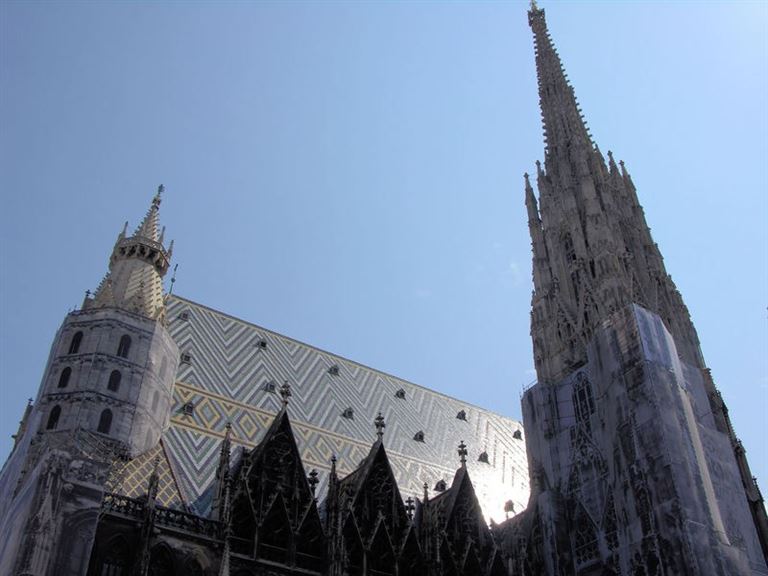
168	438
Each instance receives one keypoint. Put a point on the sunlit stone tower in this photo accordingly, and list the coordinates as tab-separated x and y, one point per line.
635	468
104	397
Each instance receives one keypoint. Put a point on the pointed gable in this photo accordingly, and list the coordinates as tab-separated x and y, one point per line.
465	542
273	504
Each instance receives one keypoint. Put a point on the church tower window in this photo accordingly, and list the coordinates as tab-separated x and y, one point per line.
105	421
64	378
114	381
53	418
124	347
74	345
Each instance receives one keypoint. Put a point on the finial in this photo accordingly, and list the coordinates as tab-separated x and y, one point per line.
157	199
173	279
426	491
526	177
380	425
534	5
312	481
409	507
462	453
285	392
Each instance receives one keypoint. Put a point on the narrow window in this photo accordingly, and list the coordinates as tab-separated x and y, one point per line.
53	418
114	381
155	399
163	367
74	345
105	421
64	378
124	347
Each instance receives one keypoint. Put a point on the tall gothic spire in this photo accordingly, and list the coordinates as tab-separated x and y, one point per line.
565	131
138	263
592	248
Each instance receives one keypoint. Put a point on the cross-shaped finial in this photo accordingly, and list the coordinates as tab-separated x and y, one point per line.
380	425
462	453
312	480
409	507
285	392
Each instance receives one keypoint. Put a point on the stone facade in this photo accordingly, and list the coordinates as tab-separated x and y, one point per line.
635	467
160	441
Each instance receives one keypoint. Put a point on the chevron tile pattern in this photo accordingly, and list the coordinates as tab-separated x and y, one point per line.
230	366
132	478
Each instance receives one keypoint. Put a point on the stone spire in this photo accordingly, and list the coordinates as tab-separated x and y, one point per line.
592	249
565	131
138	263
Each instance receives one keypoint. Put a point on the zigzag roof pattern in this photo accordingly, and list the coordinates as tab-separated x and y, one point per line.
228	367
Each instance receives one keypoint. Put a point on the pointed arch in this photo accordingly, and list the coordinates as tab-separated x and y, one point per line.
275	534
411	561
124	347
64	377
353	547
381	553
74	344
53	418
310	542
113	385
105	421
472	566
161	561
116	558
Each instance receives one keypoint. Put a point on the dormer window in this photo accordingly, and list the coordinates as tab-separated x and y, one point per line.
348	413
461	415
269	386
188	409
440	486
483	457
184	316
419	436
186	358
261	344
400	394
334	370
517	435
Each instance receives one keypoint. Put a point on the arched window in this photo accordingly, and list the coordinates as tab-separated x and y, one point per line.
161	561
116	558
64	377
74	345
163	367
114	381
53	418
105	421
124	347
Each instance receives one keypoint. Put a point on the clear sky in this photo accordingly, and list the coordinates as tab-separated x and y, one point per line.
350	174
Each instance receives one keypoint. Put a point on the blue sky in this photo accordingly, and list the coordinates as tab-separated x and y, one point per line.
350	174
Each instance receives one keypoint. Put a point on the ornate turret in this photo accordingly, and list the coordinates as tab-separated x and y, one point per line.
137	266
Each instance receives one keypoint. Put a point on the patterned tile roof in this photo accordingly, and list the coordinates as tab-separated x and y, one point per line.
225	375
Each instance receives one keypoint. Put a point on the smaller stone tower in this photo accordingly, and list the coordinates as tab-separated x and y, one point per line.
105	395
